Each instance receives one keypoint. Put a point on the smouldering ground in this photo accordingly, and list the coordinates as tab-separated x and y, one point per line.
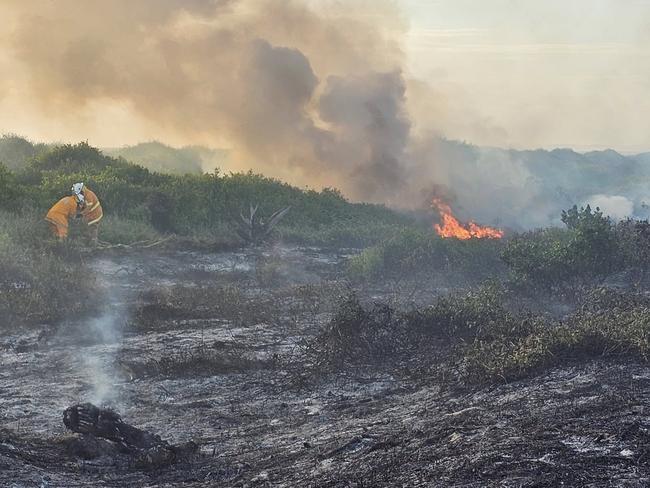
206	347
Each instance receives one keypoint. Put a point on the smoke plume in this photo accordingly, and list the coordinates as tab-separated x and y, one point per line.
313	96
315	93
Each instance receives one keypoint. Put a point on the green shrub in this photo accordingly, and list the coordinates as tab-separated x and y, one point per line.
540	257
420	254
16	152
203	203
367	265
594	244
609	324
633	238
482	337
9	192
475	314
161	206
26	232
40	280
588	249
119	230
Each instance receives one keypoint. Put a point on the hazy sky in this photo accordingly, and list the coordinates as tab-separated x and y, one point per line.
516	73
539	72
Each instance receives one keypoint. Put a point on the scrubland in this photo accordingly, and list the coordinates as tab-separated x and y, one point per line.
354	347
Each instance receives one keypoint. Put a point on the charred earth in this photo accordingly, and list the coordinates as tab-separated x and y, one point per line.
269	368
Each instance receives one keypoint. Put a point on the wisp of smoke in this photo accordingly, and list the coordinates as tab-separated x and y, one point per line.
98	361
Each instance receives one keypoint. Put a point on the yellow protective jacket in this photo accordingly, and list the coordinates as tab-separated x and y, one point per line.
60	213
92	211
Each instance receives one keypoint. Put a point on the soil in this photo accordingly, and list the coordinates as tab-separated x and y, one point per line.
226	373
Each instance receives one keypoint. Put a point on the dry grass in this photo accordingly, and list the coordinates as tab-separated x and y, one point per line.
198	361
478	336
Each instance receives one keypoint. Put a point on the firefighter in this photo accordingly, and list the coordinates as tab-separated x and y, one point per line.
84	204
90	210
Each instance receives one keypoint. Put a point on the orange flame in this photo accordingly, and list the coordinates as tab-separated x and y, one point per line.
451	227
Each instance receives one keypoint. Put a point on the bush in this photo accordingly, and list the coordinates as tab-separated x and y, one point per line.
540	257
367	265
161	206
356	335
608	324
41	281
9	192
419	254
594	244
16	152
482	337
477	314
634	244
587	250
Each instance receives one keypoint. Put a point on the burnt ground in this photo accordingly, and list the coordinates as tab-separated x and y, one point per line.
206	347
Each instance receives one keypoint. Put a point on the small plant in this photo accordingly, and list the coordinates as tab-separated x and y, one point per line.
253	229
356	335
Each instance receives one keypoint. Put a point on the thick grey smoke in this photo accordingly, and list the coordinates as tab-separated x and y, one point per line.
313	96
371	133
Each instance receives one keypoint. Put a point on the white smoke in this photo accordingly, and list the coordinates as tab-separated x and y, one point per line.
615	206
98	359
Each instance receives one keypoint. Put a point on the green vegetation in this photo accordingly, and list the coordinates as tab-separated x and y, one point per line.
9	193
585	250
590	249
40	280
489	331
420	254
138	202
16	152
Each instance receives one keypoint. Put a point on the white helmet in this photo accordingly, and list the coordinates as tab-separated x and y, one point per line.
77	188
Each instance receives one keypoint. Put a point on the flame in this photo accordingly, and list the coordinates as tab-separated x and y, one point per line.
451	227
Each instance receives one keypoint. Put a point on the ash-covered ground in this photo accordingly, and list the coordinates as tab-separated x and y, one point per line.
213	348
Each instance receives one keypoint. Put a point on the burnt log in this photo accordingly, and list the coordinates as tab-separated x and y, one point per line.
147	450
86	418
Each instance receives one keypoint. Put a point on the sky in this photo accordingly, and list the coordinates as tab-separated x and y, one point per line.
569	73
506	73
